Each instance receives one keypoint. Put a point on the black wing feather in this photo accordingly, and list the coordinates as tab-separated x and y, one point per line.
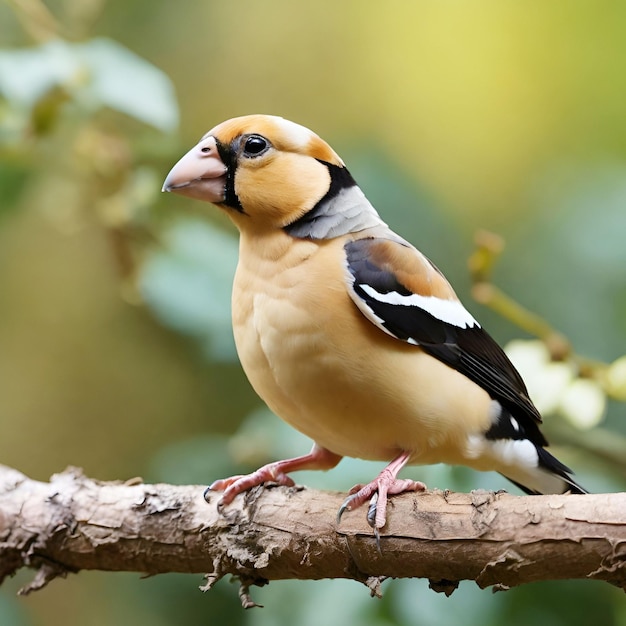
469	350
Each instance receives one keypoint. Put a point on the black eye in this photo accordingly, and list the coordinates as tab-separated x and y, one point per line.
255	145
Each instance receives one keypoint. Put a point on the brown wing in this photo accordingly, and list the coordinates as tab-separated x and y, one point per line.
404	294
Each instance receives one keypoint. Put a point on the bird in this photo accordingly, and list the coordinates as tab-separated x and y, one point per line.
348	332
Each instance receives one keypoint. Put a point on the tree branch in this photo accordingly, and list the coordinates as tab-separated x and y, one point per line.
74	523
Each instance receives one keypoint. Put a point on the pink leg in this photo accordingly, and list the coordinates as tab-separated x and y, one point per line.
318	459
377	491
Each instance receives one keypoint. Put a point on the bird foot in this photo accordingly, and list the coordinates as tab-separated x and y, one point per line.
318	458
235	485
376	492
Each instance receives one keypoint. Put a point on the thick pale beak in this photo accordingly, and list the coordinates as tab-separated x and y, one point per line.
200	174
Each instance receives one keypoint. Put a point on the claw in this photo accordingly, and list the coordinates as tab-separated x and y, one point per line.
371	511
207	494
343	508
371	520
377	537
385	484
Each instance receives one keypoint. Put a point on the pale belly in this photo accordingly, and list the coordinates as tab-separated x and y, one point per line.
325	369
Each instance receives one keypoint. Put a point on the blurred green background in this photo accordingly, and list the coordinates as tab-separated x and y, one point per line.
115	345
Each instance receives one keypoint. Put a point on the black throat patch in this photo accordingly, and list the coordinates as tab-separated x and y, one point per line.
228	154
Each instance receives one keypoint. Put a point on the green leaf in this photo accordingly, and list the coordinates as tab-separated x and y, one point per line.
98	73
27	75
126	82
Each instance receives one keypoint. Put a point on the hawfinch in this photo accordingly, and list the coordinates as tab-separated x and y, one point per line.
348	332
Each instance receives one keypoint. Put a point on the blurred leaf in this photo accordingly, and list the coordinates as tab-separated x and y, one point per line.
98	73
188	283
27	74
128	83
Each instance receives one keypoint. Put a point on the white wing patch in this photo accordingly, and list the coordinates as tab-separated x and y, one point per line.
362	305
520	451
448	311
511	452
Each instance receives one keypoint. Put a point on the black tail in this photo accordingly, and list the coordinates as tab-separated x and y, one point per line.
549	464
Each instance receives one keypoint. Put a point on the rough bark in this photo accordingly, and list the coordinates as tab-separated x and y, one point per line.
495	539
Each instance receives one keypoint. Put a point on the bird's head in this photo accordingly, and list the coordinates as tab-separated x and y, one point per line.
267	172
